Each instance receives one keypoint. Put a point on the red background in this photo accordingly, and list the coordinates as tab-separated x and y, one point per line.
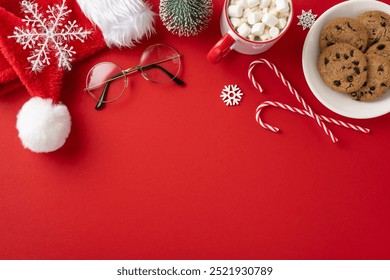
172	173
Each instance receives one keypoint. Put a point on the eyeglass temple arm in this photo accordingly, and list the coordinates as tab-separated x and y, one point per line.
102	98
170	75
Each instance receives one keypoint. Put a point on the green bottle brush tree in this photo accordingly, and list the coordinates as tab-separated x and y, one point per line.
186	17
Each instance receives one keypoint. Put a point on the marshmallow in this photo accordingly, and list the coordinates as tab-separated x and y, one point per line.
254	18
244	30
274	32
284	15
282	6
241	3
269	20
265	37
236	22
252	3
247	11
265	3
258	28
235	10
259	20
273	12
282	23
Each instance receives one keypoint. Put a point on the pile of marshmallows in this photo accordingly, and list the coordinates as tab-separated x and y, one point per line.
259	20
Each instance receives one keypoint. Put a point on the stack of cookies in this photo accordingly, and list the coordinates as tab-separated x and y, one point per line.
355	55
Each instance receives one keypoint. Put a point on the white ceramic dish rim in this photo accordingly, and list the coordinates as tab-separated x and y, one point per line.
338	102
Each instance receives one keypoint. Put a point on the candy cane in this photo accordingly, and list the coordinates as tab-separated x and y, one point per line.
302	112
307	109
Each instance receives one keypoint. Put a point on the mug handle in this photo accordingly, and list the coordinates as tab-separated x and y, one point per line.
221	48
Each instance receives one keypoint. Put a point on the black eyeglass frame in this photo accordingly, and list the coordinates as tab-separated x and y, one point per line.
131	70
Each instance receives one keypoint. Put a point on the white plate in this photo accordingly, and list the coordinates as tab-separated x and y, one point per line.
335	101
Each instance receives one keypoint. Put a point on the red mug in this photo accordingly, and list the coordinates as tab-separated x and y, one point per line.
232	40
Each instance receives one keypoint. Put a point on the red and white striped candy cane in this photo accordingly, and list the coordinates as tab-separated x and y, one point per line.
304	113
307	110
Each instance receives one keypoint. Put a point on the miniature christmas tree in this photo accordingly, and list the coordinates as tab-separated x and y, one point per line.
186	17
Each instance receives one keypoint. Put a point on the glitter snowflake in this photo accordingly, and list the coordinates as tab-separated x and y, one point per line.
231	95
45	34
306	19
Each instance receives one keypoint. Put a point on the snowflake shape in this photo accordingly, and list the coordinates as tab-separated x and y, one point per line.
45	34
231	95
306	19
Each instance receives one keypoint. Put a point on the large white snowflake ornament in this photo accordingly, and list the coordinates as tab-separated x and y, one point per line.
45	34
306	19
231	95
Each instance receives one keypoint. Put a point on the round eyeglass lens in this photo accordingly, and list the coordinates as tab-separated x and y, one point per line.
106	82
160	63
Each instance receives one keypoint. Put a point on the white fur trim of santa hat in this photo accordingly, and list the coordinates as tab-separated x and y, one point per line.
122	22
43	126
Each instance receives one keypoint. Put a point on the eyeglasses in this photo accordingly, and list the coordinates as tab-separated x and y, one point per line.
106	81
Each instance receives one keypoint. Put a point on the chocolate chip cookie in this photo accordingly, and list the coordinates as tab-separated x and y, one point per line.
381	48
378	25
343	67
344	30
378	79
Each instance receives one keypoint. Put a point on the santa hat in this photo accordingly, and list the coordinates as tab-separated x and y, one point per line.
40	41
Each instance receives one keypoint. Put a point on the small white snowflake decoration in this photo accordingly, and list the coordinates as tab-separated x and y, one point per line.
306	19
45	34
231	95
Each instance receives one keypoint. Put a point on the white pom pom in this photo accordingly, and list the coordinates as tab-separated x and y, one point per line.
43	126
122	22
